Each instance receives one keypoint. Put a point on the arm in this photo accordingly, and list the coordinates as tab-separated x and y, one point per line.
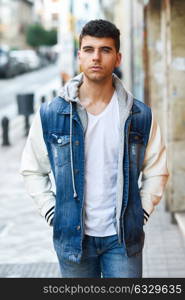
154	171
35	169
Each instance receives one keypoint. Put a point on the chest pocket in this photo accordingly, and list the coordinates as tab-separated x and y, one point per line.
60	146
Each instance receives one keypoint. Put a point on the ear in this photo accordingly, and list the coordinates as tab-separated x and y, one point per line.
78	54
118	59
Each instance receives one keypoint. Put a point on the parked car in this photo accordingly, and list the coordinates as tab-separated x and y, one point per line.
30	58
23	64
9	66
48	54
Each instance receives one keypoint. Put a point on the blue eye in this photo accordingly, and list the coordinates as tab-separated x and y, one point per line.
106	50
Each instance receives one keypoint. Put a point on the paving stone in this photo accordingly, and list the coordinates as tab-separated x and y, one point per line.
37	270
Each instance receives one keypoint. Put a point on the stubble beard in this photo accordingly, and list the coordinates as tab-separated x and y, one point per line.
96	78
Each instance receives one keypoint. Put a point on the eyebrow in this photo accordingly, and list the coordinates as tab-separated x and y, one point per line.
103	47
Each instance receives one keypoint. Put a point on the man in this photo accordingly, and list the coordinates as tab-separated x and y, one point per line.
99	143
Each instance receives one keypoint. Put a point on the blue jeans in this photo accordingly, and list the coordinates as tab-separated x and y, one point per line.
103	257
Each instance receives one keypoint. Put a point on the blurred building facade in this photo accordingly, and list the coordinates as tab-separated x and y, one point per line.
47	13
164	86
154	70
14	17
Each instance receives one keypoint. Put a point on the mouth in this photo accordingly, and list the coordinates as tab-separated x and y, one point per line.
96	68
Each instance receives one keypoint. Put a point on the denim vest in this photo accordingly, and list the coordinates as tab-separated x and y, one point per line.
68	222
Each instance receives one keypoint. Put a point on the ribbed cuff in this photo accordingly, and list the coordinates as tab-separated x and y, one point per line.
146	216
49	216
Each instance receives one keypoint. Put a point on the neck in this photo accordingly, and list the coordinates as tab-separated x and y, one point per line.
94	91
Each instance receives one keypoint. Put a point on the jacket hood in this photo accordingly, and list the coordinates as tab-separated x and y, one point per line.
69	91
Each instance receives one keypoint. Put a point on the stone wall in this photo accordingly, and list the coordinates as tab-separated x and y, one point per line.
165	21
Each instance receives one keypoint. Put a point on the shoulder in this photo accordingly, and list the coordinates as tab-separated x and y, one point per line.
52	107
52	104
141	106
49	112
141	117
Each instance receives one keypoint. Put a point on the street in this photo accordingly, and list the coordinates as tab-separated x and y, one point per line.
20	242
41	82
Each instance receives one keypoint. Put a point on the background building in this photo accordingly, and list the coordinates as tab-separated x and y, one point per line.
47	13
164	88
153	66
14	18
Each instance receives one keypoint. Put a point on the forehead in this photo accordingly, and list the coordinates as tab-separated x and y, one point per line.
92	41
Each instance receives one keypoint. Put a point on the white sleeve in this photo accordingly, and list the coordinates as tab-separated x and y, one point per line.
154	171
35	169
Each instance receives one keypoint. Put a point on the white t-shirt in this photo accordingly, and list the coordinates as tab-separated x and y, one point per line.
101	166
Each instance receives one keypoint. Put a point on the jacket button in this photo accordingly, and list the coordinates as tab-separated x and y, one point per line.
76	143
78	227
59	141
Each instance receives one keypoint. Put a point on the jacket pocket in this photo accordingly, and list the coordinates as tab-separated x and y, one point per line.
60	146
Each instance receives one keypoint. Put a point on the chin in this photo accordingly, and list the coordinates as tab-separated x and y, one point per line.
95	77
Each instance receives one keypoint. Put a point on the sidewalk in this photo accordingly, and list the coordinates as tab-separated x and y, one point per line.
26	248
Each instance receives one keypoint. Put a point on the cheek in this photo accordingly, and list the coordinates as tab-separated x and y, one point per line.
83	61
110	64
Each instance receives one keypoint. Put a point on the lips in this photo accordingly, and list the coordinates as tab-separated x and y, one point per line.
96	68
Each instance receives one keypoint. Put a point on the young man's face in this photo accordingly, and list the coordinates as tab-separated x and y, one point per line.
98	57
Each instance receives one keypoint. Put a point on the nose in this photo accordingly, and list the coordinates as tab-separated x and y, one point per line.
96	55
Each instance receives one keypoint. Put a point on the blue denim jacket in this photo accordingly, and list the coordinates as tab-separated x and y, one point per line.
64	138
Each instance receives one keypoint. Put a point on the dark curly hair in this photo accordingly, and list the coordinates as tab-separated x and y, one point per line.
101	28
